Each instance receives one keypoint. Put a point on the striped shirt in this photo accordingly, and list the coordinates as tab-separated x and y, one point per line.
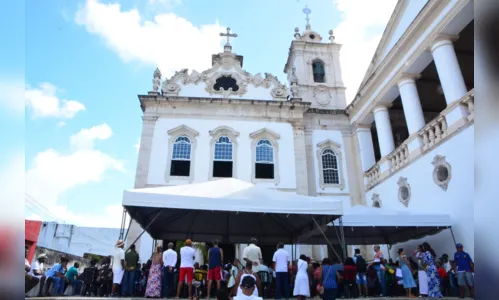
57	268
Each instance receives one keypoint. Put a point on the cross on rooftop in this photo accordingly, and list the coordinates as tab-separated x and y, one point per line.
307	12
228	35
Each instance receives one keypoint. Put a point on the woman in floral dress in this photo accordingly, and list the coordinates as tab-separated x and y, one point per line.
153	289
431	270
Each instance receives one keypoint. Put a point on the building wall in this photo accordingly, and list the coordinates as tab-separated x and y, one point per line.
428	197
243	163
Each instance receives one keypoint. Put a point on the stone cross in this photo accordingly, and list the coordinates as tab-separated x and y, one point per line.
228	35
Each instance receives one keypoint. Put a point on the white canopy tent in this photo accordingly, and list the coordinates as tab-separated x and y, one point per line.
229	210
364	225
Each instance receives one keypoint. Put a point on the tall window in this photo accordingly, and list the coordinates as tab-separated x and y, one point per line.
330	167
222	160
264	162
318	71
181	157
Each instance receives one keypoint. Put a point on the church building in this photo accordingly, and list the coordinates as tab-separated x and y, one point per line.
405	142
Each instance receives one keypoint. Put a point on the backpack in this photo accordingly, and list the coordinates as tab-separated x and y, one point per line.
361	264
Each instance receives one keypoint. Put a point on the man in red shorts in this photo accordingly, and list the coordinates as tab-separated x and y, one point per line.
187	254
215	260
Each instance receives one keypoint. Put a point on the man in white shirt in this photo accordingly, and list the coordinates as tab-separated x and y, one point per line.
187	254
252	253
169	262
248	285
281	266
118	266
37	271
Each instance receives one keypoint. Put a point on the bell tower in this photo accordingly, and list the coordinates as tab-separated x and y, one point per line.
313	69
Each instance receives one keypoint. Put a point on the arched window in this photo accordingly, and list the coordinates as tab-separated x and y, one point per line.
318	71
181	157
264	162
330	167
222	158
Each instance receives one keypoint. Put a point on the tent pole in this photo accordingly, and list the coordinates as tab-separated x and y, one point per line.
122	226
453	237
343	243
129	224
327	240
144	230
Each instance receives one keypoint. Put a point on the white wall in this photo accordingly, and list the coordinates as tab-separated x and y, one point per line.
410	13
429	198
253	92
319	136
159	152
77	241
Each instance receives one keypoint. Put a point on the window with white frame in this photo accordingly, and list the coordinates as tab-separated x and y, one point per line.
181	150
329	161
330	167
265	155
264	161
181	157
222	159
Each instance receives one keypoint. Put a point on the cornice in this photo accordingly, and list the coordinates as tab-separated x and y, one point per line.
321	111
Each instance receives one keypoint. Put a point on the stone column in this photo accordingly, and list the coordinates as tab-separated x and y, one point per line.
451	78
410	100
309	146
384	129
142	171
448	68
300	158
366	146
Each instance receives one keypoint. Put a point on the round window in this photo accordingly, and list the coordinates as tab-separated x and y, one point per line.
442	173
404	193
312	36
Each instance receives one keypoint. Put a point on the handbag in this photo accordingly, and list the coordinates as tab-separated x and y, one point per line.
321	289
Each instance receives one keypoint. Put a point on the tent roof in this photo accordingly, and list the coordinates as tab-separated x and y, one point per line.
229	210
368	226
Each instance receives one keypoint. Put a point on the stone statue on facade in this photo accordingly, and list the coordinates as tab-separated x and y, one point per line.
156	81
295	91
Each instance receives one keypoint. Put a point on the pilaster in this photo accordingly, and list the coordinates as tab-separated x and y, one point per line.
300	158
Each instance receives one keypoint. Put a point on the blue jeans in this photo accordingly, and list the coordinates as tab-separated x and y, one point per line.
58	284
281	282
128	283
454	290
329	294
381	277
168	288
77	286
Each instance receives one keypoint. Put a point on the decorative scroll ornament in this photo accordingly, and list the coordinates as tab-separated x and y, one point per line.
442	172
404	194
322	95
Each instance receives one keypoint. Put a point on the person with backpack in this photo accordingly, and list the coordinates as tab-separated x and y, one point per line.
361	266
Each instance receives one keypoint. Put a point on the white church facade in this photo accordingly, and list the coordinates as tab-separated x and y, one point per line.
404	143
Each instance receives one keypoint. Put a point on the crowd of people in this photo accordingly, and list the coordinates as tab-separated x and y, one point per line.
170	274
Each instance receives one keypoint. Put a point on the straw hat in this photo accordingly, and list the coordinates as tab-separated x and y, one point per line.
120	244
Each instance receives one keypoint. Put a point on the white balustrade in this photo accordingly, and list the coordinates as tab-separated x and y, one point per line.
399	157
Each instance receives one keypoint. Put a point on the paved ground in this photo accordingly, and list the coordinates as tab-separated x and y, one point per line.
123	298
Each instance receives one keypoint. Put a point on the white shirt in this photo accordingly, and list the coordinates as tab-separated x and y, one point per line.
253	253
187	257
170	258
281	259
119	254
244	297
36	266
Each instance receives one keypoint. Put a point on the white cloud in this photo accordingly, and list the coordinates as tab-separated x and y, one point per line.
360	31
34	217
137	146
53	173
61	124
11	94
85	138
44	102
153	42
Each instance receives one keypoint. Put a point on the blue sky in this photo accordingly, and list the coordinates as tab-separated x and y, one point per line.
85	62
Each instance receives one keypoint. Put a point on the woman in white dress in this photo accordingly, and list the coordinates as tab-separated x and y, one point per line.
302	283
248	271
